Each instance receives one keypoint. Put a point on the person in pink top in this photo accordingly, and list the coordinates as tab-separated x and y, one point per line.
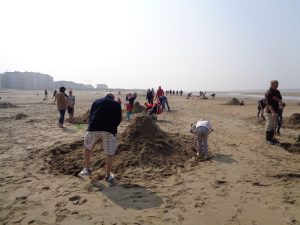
160	92
201	131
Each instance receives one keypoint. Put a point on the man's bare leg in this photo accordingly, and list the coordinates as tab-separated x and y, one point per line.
87	158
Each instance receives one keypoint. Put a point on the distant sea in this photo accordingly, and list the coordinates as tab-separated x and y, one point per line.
287	94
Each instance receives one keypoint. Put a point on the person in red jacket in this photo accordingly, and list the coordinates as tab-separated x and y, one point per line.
160	92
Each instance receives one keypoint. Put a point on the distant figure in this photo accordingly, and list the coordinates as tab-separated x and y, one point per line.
260	107
119	100
149	96
279	118
181	92
173	92
177	92
54	95
164	101
62	104
105	117
46	95
200	93
160	92
201	131
273	101
189	95
129	104
213	95
71	105
170	92
203	95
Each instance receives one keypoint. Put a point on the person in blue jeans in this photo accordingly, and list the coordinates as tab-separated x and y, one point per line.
164	101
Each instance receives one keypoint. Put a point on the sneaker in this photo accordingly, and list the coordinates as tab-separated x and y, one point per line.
270	142
85	172
110	179
198	154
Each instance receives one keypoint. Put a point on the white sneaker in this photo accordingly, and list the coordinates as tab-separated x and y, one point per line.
110	179
198	154
85	172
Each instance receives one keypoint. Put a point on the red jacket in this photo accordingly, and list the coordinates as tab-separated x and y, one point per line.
160	92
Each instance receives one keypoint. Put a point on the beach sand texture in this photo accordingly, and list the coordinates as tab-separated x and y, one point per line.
245	181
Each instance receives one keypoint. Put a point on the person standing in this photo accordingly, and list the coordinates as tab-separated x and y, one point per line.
71	105
279	118
46	95
54	95
160	92
273	100
149	96
105	117
62	104
201	131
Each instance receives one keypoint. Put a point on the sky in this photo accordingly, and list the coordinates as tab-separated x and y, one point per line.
190	45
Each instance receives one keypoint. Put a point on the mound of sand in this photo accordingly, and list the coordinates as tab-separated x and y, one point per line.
20	116
5	105
233	101
138	108
142	145
83	119
291	147
293	121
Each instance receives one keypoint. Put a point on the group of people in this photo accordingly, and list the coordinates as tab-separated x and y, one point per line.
65	103
106	115
170	92
273	106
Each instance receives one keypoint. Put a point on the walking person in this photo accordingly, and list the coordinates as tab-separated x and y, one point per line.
62	104
273	101
160	92
46	95
201	131
105	117
54	95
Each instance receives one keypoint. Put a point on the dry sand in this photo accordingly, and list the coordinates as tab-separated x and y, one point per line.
245	181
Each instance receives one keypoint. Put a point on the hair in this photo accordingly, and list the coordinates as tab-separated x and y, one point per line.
273	82
62	89
109	94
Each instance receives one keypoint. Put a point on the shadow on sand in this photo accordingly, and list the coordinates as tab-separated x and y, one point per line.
224	158
132	196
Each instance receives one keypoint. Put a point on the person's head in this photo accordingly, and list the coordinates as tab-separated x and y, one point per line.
109	95
70	92
129	94
159	87
62	89
274	84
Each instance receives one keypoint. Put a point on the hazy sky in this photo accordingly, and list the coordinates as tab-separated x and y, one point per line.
189	45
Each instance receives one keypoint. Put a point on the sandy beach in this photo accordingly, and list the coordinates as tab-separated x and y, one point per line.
246	181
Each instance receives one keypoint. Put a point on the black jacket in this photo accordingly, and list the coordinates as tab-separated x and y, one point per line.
105	115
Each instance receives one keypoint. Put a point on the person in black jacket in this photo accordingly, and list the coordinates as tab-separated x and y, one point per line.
105	117
273	101
149	96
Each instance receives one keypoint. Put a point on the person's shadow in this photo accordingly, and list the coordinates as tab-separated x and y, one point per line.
223	158
132	196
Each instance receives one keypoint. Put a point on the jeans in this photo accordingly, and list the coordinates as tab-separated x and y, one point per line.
61	116
165	102
202	136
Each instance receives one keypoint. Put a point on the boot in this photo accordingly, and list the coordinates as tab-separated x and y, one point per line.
269	137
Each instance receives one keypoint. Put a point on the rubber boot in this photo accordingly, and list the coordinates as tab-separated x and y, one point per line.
269	137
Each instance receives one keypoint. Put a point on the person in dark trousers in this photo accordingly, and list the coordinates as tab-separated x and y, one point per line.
105	117
273	101
149	96
164	101
62	104
260	107
279	118
54	95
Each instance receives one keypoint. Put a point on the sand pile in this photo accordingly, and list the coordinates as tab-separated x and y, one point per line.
143	145
137	108
81	119
293	121
20	116
233	101
291	147
5	105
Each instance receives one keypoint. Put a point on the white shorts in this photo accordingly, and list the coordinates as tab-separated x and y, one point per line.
109	141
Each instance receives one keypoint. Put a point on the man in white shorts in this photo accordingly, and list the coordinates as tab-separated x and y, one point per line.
105	117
